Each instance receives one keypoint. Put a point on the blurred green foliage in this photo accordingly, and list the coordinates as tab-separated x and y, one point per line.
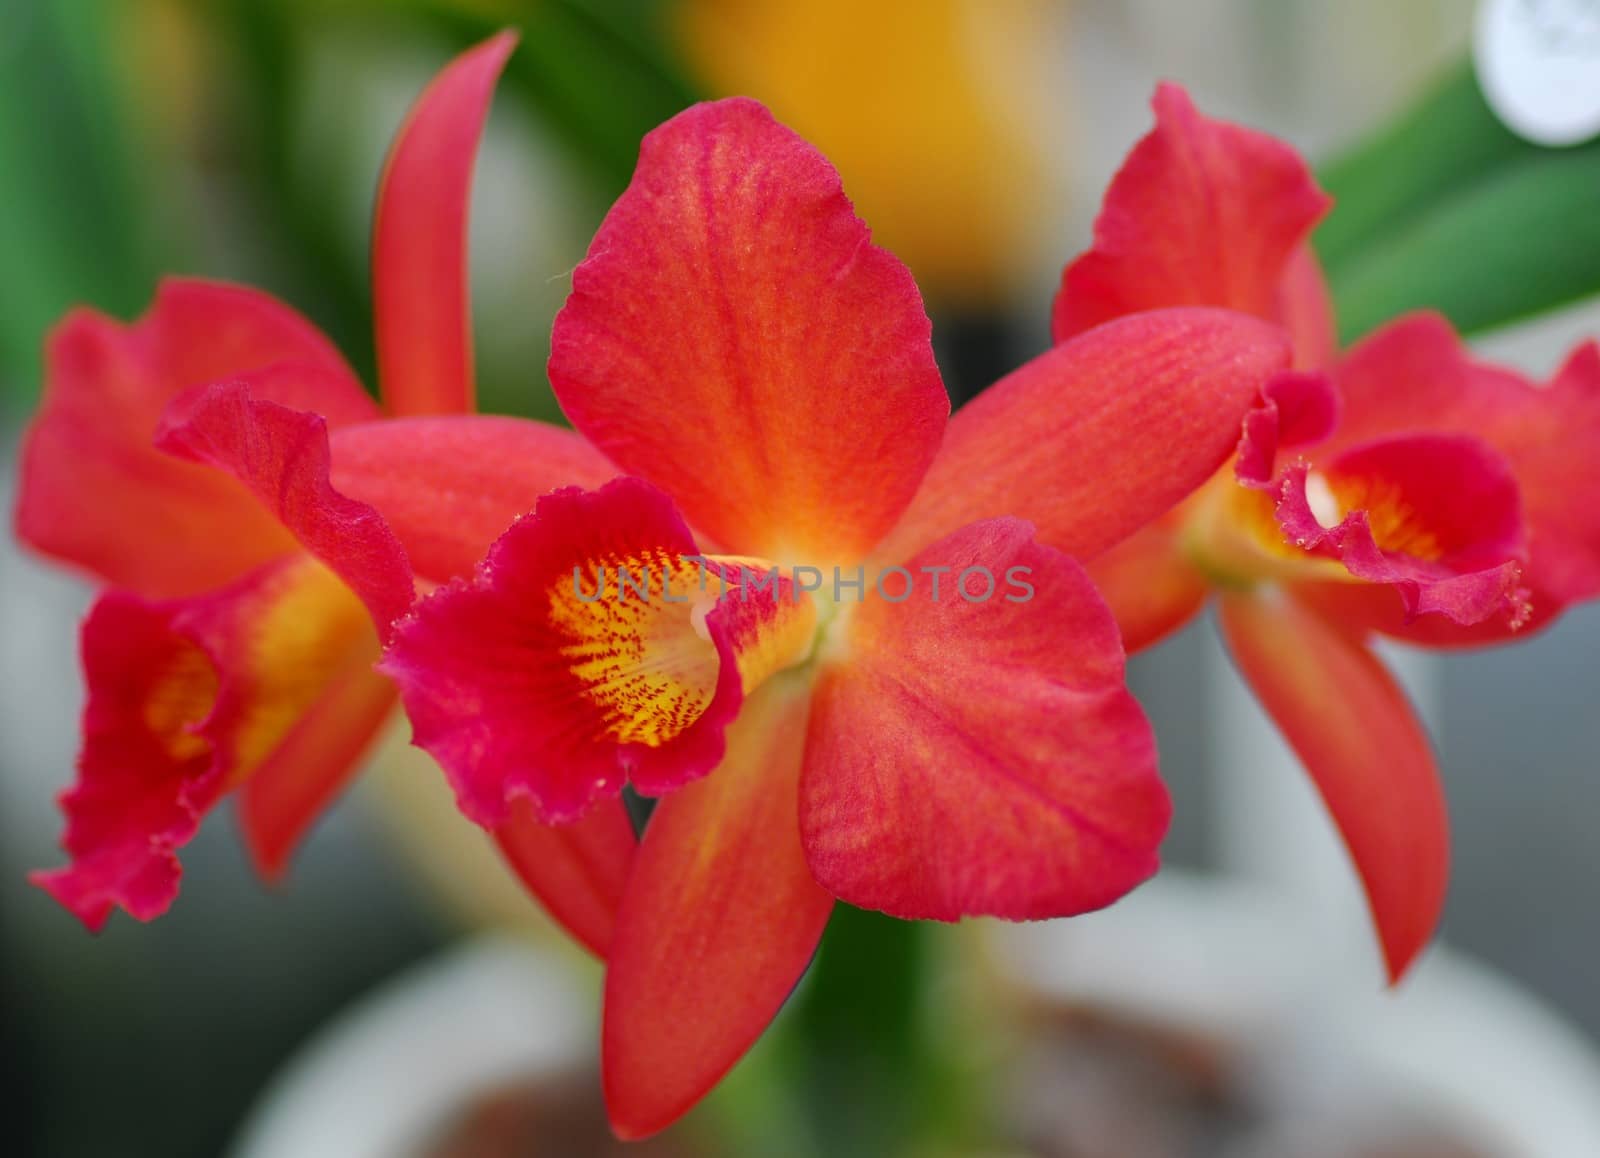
94	212
72	225
1445	208
1442	208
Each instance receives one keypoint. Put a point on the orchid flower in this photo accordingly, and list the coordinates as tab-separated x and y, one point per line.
818	717
1400	489
186	461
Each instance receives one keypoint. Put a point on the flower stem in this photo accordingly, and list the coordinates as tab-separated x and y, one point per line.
866	1068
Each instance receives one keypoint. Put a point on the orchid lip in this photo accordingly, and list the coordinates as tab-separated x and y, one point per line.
1233	535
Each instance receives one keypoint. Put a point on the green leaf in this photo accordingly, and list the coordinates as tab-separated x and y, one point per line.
1446	209
1523	239
865	1053
262	42
71	231
601	75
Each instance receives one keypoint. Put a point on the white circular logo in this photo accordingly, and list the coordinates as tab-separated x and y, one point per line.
1539	67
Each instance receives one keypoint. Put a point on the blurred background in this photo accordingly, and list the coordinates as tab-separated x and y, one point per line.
241	139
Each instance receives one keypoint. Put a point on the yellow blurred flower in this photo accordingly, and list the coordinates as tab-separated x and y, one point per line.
924	106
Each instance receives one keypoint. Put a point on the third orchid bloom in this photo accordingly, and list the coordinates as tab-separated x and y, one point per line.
1400	489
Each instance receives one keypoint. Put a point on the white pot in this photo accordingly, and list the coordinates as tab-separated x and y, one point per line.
405	1061
1479	1055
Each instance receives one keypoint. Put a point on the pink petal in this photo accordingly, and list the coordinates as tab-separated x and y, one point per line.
543	678
1295	409
186	699
981	756
1202	213
281	456
1438	517
1416	377
419	239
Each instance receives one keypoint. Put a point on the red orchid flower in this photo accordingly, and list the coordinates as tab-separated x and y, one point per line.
185	460
835	728
1401	489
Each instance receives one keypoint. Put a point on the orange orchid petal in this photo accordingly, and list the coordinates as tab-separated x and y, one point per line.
1202	213
1102	434
450	486
313	763
282	636
1349	721
735	338
419	239
1305	306
906	125
96	493
1150	584
190	697
719	921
